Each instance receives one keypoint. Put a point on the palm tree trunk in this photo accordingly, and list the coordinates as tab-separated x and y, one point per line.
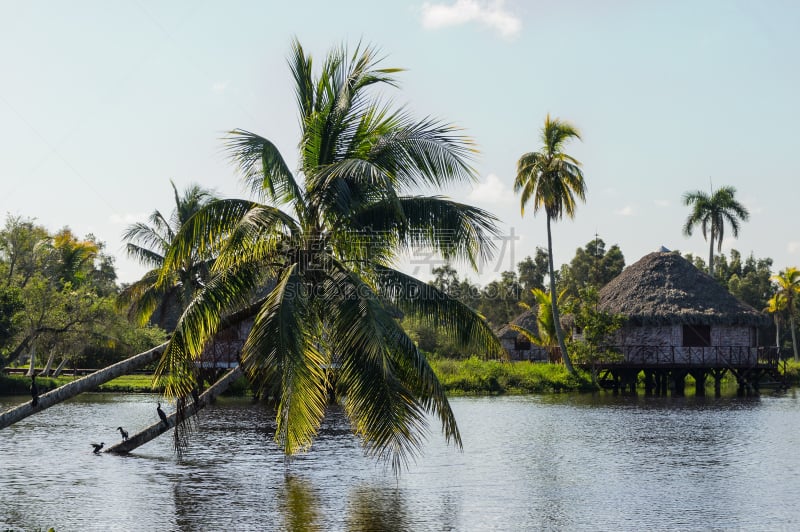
777	333
158	428
50	359
711	256
32	367
84	384
60	367
794	337
554	302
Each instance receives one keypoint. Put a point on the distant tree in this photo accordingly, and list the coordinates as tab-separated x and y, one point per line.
552	180
532	272
592	266
499	300
711	212
788	291
596	327
446	278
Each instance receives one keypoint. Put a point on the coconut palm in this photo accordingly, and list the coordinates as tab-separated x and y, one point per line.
776	305
158	292
786	298
545	335
711	212
325	241
553	181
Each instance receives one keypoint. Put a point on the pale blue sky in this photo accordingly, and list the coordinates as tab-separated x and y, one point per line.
101	103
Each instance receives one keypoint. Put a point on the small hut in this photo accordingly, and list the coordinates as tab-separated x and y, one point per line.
516	344
678	315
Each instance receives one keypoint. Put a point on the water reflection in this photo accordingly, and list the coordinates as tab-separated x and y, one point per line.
299	505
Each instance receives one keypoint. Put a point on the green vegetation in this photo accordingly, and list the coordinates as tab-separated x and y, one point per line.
475	376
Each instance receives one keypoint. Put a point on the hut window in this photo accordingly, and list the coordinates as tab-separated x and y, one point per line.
522	343
696	336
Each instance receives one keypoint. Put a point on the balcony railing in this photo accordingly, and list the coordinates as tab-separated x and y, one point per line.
714	356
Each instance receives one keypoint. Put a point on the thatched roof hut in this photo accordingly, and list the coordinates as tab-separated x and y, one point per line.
664	288
526	320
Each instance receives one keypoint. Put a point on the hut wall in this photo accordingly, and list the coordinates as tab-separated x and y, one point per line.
732	336
662	335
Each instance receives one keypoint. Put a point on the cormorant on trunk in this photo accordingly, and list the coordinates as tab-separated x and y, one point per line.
34	391
162	415
123	433
97	447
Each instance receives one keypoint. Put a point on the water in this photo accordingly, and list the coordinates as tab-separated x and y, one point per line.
529	463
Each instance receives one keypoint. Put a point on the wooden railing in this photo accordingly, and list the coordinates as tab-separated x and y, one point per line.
714	356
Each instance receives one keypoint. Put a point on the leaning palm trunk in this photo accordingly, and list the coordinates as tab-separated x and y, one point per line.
157	429
85	384
50	360
554	302
32	367
60	367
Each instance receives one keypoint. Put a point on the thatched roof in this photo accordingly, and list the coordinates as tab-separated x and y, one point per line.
526	320
664	288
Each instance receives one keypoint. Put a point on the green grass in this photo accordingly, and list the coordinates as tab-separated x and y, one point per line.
474	376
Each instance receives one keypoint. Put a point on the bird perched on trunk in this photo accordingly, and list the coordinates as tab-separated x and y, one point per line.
123	433
97	447
34	391
162	415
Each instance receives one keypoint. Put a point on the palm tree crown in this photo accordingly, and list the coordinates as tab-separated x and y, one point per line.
785	300
327	243
711	212
552	180
160	292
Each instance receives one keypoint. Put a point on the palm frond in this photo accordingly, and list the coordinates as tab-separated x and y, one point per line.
282	357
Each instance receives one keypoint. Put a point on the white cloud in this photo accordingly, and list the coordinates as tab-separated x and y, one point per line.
491	14
793	247
127	218
662	203
627	210
491	191
220	86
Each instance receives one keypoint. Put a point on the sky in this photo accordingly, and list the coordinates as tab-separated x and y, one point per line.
103	103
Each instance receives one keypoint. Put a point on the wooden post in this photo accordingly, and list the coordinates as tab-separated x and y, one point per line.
648	382
699	382
679	378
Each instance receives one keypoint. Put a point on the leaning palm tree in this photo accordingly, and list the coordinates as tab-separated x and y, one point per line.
160	294
711	212
325	243
787	295
553	181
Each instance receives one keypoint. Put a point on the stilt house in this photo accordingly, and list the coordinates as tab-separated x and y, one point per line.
680	316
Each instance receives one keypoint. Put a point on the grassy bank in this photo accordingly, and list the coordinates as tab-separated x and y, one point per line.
474	376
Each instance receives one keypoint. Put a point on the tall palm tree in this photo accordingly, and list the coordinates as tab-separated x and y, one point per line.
159	292
776	305
553	181
787	295
327	243
711	212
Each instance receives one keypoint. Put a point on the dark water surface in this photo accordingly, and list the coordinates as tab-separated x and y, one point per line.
529	463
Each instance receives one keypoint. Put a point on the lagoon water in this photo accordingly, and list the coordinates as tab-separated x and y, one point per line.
567	462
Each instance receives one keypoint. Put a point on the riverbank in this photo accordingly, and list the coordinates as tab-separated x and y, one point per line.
472	376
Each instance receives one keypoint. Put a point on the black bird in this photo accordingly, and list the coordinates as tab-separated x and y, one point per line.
34	391
162	415
97	447
123	433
